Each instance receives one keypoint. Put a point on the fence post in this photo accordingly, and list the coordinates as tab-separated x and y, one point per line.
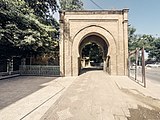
129	65
39	69
143	68
136	63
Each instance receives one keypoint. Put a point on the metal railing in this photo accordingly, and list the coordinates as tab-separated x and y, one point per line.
136	66
40	70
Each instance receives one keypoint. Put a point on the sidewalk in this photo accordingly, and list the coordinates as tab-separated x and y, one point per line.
97	96
33	106
151	90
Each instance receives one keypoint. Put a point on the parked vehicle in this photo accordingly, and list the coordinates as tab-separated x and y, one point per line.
155	65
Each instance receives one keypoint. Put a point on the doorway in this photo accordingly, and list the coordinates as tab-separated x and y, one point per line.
93	52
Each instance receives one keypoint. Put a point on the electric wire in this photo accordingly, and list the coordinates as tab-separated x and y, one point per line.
96	4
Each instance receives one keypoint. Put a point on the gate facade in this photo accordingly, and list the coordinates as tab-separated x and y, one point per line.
107	28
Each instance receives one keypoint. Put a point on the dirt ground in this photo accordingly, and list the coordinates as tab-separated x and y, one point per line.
144	113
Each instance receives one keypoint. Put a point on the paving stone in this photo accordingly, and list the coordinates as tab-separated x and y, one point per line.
64	114
119	117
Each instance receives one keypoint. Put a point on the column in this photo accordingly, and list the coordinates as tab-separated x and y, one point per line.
125	36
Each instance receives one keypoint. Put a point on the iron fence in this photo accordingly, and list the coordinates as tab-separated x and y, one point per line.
136	66
40	70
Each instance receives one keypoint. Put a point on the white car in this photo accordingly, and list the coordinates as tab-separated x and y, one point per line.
153	65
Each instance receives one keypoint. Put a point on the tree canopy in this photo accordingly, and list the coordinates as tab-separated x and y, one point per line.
150	43
27	26
71	4
154	51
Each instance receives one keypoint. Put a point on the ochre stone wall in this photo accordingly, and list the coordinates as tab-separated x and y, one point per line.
111	25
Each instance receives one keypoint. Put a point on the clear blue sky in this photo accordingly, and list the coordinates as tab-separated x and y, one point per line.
144	15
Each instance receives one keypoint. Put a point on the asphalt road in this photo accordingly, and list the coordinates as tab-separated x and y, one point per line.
153	74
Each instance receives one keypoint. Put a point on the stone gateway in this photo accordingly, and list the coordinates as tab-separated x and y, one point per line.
107	28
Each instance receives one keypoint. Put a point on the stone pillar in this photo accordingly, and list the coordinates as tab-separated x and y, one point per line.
75	67
61	44
23	61
10	66
109	67
67	49
125	37
104	65
83	63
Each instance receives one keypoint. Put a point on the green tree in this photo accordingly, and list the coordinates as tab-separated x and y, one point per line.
145	41
71	4
154	50
132	39
93	51
138	41
43	8
150	43
24	31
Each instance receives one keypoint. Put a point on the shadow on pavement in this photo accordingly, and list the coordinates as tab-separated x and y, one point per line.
14	89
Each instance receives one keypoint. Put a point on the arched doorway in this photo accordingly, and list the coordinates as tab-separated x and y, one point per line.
101	37
93	51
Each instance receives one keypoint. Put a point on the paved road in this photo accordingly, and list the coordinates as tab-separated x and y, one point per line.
14	89
153	74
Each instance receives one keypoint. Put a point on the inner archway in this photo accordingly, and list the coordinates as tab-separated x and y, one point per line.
91	57
93	51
